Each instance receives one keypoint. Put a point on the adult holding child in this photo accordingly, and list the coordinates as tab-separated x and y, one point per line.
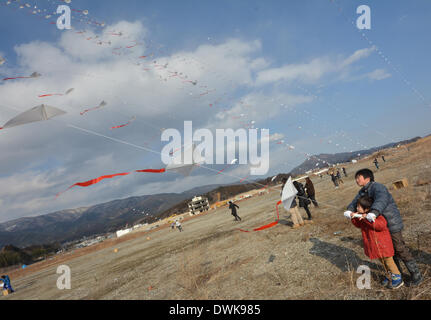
385	205
377	241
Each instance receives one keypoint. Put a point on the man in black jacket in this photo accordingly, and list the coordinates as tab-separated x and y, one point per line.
303	199
233	206
385	205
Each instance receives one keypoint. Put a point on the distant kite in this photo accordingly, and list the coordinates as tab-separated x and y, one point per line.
2	60
102	104
39	113
232	162
126	124
56	94
192	82
243	179
33	75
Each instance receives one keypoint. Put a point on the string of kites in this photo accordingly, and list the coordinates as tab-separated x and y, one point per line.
103	103
113	33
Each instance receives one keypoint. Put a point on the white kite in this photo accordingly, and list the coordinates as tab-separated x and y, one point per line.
39	113
288	194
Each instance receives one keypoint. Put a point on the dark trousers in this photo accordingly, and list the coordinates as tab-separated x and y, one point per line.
308	211
313	199
400	248
237	217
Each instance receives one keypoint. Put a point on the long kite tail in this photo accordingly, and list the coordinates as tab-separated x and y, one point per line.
96	180
5	79
267	225
50	95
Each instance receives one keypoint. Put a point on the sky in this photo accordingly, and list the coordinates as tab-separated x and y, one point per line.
301	69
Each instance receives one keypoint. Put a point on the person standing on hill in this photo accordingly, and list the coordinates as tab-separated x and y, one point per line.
232	207
334	180
294	212
296	215
344	171
339	176
303	199
385	205
178	225
376	163
6	283
383	158
311	193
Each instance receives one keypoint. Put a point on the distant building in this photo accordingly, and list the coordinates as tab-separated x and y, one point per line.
123	232
198	205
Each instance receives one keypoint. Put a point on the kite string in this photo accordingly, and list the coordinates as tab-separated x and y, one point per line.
384	57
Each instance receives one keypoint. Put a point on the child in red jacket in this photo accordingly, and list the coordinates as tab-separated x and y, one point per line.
377	240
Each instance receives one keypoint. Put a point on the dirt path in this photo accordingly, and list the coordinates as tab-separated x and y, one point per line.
211	259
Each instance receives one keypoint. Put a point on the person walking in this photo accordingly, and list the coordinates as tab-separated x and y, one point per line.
384	204
232	207
376	163
303	199
178	225
334	180
311	193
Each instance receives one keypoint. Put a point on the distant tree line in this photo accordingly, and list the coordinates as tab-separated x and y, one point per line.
11	255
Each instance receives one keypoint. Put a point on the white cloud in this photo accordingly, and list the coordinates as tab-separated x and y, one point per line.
312	71
378	74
